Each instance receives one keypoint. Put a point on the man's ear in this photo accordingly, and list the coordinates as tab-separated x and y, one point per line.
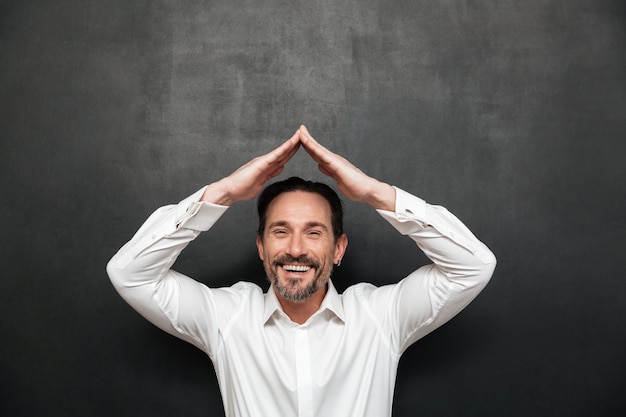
340	248
259	246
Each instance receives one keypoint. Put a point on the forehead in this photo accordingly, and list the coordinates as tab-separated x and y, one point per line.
299	206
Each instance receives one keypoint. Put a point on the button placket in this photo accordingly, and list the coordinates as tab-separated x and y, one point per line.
303	373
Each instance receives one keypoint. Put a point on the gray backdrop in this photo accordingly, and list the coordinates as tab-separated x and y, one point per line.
512	114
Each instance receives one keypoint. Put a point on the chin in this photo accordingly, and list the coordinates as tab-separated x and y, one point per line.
299	293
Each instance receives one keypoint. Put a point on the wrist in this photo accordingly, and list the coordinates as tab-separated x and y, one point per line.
382	197
217	193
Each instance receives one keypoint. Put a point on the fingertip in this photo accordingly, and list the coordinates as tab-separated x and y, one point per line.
294	140
306	135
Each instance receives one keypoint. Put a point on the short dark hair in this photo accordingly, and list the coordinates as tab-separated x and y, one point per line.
298	184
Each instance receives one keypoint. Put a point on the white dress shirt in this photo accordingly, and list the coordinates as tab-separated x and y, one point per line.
342	362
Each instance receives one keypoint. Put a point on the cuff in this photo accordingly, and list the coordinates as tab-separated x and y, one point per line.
191	213
409	215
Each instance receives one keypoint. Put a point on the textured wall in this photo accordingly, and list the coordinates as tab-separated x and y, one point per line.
511	114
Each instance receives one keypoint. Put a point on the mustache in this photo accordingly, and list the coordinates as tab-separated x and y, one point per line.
287	259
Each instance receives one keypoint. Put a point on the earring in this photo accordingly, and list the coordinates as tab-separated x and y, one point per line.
339	262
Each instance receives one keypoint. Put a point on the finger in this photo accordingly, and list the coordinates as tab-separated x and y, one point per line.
294	142
306	138
284	152
287	147
292	145
319	153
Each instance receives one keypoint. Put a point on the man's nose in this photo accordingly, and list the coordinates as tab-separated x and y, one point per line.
296	246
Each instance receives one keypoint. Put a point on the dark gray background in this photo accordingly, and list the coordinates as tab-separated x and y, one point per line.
512	114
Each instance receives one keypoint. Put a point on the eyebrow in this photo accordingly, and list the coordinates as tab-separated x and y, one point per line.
282	223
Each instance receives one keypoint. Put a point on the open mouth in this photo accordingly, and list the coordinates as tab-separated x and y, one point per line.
297	268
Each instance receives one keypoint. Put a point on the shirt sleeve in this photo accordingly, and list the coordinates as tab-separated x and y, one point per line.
141	273
430	296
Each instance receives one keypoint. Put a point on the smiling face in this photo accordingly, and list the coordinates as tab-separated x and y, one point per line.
297	246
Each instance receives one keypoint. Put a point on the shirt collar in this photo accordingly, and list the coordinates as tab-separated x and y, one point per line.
332	302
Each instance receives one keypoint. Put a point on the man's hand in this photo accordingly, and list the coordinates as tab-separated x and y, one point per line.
351	181
248	181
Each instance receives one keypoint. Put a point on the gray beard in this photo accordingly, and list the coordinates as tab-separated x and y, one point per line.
301	294
271	270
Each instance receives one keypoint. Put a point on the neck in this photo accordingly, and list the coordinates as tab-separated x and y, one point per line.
300	311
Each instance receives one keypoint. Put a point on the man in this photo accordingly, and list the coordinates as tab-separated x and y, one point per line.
302	349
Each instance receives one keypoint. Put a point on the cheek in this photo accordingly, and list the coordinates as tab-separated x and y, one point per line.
267	247
269	251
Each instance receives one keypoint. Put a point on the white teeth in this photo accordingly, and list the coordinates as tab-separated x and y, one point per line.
296	268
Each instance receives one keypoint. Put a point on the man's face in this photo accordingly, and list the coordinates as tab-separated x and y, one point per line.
298	249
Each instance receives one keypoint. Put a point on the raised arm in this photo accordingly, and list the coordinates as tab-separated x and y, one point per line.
141	270
433	294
